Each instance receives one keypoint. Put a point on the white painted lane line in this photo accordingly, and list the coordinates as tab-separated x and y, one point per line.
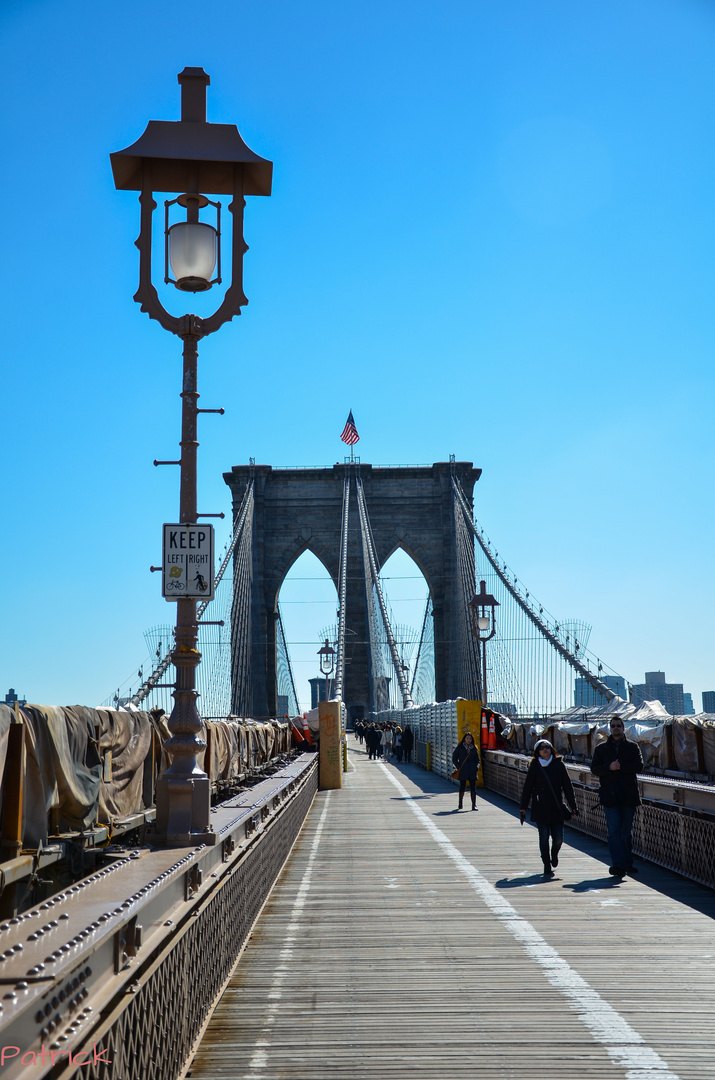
259	1058
624	1045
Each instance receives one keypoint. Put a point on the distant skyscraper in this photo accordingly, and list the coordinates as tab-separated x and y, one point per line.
709	701
655	688
11	697
688	707
584	695
317	691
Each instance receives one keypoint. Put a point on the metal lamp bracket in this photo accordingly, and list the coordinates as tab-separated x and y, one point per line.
148	298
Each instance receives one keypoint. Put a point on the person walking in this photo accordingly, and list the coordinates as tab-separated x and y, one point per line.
465	758
547	784
397	744
408	741
372	740
617	763
386	742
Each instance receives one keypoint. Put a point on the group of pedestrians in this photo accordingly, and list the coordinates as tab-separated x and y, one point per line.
547	788
616	762
386	740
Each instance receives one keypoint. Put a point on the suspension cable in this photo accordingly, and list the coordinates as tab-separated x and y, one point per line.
420	647
281	634
565	653
342	590
148	685
407	702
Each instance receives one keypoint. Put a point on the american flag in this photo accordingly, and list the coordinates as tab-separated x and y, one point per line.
350	435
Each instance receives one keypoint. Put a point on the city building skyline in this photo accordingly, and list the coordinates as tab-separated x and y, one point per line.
655	688
584	695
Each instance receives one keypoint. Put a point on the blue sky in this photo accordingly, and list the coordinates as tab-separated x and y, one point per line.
491	234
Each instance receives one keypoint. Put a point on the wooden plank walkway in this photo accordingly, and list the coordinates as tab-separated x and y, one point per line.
404	940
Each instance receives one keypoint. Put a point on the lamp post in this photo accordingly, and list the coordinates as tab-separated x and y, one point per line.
484	627
188	157
327	664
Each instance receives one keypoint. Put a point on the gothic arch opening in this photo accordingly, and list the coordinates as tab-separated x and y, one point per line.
407	595
308	602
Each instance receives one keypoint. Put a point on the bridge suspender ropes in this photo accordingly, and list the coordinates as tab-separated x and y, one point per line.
531	678
214	671
372	577
342	591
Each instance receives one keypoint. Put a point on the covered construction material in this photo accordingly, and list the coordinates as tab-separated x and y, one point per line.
85	767
682	744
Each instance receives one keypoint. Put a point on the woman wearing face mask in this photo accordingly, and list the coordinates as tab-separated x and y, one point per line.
547	784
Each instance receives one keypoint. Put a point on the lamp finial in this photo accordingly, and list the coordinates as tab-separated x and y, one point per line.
193	81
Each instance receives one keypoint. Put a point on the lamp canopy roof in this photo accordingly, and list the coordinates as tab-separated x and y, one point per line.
191	154
483	599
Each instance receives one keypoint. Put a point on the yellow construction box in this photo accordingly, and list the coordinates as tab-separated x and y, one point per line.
330	773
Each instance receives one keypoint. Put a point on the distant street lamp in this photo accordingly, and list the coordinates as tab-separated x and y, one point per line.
189	156
484	627
327	665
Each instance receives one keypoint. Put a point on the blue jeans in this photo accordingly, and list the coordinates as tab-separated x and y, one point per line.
619	822
557	837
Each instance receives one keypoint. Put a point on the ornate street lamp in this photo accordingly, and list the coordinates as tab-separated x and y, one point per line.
189	157
327	665
484	627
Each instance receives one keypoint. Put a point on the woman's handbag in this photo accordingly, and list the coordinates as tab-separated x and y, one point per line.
455	773
564	810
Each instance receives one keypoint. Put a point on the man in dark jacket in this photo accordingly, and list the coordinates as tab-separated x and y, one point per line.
617	763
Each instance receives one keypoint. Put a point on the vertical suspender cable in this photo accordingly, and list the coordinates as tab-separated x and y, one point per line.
146	687
407	702
556	645
342	591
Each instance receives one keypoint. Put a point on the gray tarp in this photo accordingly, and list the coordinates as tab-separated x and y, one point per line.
63	771
709	743
128	735
66	748
675	743
7	716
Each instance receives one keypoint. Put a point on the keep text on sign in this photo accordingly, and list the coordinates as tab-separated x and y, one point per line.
188	562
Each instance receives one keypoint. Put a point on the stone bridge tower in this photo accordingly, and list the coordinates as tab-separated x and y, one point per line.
301	509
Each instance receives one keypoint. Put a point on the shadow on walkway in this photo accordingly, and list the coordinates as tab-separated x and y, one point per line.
662	880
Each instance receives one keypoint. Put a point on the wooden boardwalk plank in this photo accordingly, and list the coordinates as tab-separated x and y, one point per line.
375	957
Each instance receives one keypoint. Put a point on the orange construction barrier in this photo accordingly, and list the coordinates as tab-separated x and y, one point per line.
306	732
297	735
492	744
485	732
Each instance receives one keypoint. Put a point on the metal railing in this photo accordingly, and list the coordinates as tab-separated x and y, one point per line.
130	961
675	826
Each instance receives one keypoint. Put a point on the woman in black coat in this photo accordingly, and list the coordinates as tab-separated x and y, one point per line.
372	739
466	759
547	784
408	741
